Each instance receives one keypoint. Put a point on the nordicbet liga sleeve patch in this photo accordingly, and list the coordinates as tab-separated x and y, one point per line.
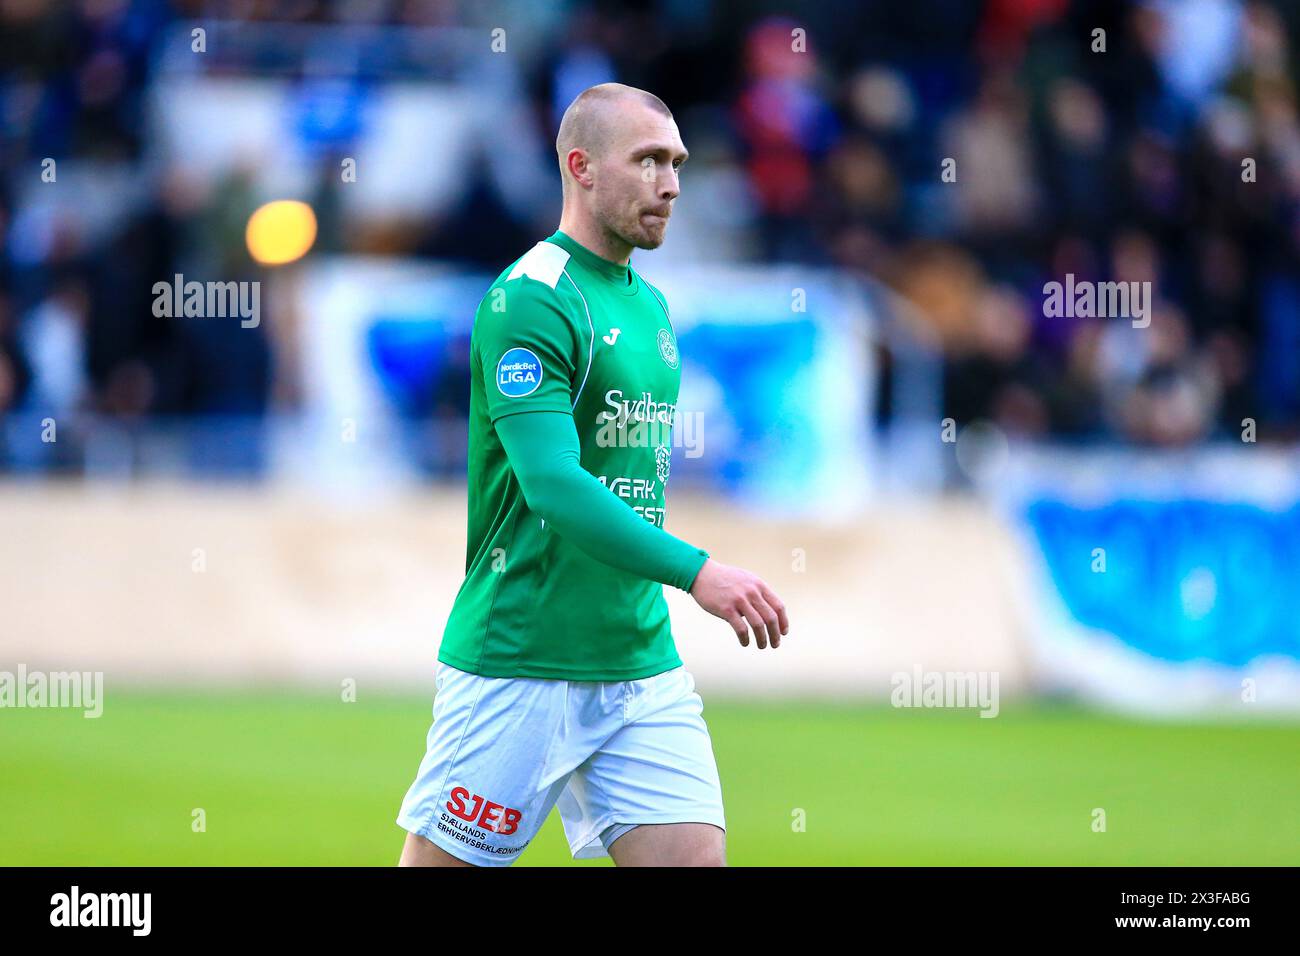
526	349
519	373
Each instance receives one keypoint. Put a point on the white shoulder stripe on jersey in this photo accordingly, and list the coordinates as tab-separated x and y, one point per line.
662	305
543	262
591	344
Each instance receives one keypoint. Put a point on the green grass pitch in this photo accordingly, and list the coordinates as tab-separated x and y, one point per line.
294	778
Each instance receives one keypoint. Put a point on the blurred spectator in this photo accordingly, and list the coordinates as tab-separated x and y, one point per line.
1170	157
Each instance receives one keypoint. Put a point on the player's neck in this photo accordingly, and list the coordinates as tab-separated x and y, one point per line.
587	234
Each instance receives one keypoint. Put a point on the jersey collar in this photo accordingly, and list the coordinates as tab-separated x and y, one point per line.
615	272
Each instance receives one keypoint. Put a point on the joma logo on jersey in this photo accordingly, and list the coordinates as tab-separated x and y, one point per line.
518	373
484	811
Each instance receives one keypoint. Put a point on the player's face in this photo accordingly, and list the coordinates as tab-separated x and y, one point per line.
638	179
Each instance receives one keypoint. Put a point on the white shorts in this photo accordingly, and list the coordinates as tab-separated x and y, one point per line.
503	750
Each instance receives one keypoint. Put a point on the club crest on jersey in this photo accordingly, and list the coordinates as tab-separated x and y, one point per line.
668	348
518	373
663	462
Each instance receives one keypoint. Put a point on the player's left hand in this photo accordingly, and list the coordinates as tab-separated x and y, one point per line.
744	601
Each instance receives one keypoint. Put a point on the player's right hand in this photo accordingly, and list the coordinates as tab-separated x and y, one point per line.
743	600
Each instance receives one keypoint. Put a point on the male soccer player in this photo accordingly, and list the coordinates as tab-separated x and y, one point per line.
558	681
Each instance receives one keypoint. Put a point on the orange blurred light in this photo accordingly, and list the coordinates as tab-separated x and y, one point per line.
280	232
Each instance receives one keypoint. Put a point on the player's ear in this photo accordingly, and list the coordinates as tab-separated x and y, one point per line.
579	167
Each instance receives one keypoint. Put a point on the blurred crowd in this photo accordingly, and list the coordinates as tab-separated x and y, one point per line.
961	154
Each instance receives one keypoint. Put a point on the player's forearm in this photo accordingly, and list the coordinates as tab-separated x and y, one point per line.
545	456
595	520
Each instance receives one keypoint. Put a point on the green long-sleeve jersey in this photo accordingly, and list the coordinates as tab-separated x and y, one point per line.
573	394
